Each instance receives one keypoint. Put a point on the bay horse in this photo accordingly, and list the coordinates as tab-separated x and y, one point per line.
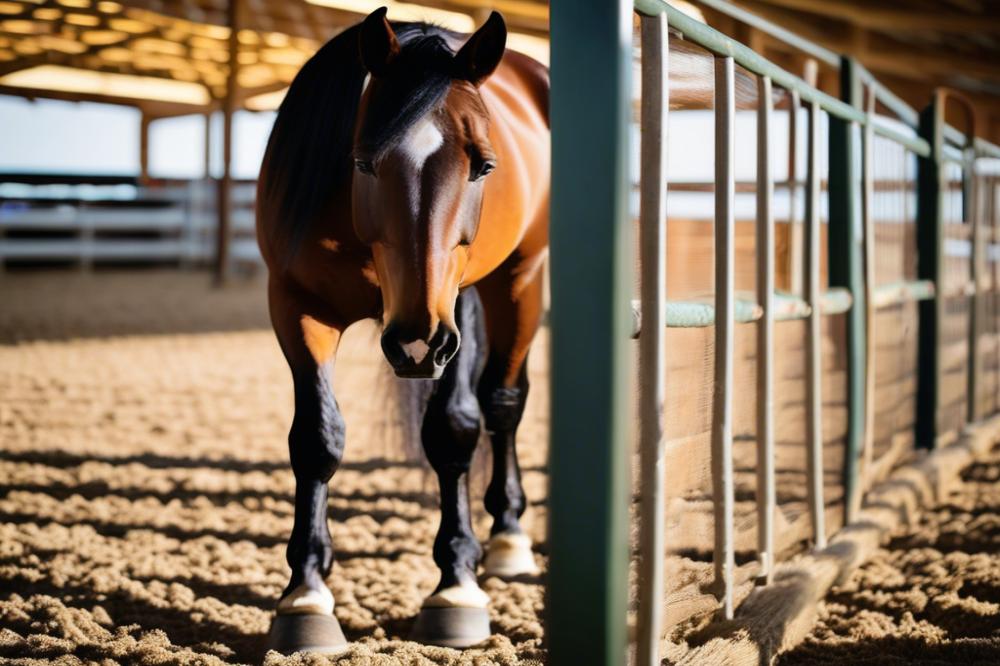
406	180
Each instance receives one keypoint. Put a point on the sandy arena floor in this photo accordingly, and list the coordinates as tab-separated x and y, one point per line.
931	596
145	499
145	495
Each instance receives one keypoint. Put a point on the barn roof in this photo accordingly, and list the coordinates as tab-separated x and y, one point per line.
172	56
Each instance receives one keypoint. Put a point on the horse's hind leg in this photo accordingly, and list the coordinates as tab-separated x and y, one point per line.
305	620
455	614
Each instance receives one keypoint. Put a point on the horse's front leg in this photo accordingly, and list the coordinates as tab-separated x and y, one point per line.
512	319
455	614
305	620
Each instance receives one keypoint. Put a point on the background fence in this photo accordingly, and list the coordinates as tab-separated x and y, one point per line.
809	314
111	220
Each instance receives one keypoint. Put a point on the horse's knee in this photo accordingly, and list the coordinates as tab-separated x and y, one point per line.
316	442
451	431
463	417
503	407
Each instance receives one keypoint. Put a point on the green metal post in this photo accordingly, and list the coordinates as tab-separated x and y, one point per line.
846	261
930	266
591	271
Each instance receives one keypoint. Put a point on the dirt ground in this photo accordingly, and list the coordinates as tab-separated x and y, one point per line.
145	499
145	494
931	596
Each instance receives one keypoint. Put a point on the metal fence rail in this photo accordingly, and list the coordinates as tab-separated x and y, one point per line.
589	235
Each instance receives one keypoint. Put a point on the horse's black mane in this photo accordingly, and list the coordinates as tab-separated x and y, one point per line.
417	83
309	153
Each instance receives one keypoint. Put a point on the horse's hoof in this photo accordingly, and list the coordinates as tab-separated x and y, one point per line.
451	626
509	555
306	632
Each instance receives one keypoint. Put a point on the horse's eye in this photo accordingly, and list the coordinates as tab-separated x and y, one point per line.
364	166
482	169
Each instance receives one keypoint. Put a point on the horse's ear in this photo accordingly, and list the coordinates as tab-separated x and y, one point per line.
377	43
482	53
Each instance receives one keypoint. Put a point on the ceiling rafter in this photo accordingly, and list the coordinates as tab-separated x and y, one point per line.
877	16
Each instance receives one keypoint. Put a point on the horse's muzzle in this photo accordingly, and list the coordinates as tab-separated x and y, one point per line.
414	358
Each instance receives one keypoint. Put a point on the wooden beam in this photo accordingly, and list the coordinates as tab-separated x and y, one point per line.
225	183
895	67
917	64
144	148
154	108
871	15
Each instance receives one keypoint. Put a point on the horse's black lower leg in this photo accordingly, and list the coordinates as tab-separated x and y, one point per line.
455	614
502	409
316	446
305	620
449	434
509	550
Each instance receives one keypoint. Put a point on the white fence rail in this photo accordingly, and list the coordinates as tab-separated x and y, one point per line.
164	224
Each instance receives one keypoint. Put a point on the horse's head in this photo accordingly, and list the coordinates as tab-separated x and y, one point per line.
421	153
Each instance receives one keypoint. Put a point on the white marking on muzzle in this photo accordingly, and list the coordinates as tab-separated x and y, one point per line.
416	350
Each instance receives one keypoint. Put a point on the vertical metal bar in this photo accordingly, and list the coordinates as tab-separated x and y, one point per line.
766	494
971	214
591	277
814	342
653	238
208	146
869	254
795	270
930	266
846	261
722	403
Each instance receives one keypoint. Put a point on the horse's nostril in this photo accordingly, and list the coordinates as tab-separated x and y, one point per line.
447	349
393	351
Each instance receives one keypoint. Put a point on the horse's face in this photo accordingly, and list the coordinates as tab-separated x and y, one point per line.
417	198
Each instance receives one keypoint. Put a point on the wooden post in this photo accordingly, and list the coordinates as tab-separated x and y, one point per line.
723	488
226	182
591	277
653	238
766	493
144	123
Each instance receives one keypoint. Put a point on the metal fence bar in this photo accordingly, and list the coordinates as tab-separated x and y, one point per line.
795	269
930	266
846	261
869	253
652	253
766	493
722	405
591	281
977	309
697	32
814	343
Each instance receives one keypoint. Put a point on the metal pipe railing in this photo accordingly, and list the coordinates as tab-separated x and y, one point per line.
588	544
723	487
767	494
591	267
652	243
814	345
